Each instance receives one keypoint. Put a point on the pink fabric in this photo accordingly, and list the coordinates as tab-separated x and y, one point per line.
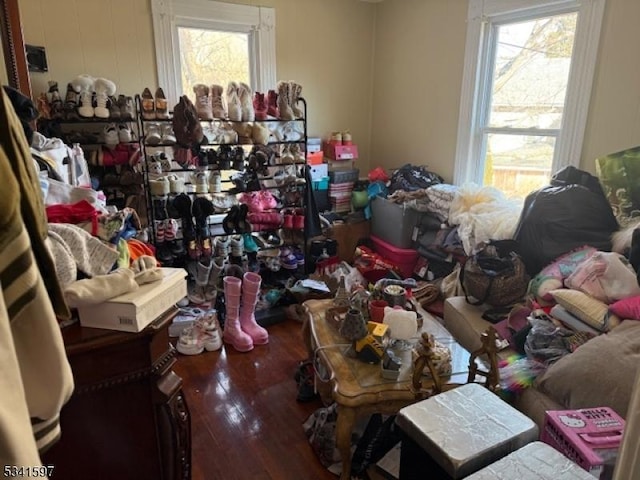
250	290
627	308
232	333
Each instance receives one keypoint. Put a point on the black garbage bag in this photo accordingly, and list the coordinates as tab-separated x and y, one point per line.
410	178
563	216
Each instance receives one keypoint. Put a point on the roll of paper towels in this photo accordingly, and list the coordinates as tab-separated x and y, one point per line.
403	324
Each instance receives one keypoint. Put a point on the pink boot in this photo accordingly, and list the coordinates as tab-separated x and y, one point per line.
232	333
250	290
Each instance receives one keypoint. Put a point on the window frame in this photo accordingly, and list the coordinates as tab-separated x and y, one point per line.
478	62
257	22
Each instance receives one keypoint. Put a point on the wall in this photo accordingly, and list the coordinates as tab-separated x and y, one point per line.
325	45
418	69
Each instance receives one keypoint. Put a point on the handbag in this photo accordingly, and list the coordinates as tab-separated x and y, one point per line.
495	275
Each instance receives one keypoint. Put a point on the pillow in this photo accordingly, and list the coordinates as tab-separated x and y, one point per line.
552	276
591	311
600	373
627	308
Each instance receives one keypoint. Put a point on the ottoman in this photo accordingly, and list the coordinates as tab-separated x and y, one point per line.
458	432
535	461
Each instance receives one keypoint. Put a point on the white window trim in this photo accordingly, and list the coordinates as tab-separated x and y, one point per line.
258	22
468	167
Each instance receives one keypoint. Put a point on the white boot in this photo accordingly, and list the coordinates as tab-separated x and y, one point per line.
84	84
295	90
217	105
104	89
246	102
234	108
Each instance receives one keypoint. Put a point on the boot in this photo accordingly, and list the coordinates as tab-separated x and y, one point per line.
284	102
202	103
232	333
295	90
202	271
272	104
84	85
104	89
234	107
217	105
250	291
56	105
259	106
246	102
71	103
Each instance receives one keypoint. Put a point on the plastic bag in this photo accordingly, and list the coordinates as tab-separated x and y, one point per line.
410	178
545	341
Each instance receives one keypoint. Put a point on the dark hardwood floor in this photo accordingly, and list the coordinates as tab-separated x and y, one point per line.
245	420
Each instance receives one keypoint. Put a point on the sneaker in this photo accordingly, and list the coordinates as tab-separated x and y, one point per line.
237	245
210	331
153	134
167	137
55	103
124	133
221	246
125	103
110	134
190	342
215	184
114	109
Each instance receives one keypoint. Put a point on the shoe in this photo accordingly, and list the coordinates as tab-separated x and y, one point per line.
186	126
221	246
237	245
124	133
242	224
71	103
202	102
250	245
148	105
104	89
159	229
234	107
215	183
295	90
284	103
56	107
238	159
167	137
159	187
125	104
259	106
162	112
203	335
153	136
217	104
200	180
222	202
246	102
272	104
110	134
176	184
114	110
305	379
229	223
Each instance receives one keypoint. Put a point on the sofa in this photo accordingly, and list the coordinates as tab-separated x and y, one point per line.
601	372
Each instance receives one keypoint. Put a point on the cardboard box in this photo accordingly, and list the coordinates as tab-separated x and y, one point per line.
590	437
318	172
133	311
340	152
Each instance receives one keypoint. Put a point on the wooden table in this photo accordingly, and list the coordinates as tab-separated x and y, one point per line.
358	388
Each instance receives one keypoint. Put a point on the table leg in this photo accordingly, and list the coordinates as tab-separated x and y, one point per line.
344	429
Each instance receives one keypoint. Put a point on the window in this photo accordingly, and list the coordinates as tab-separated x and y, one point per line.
526	88
201	41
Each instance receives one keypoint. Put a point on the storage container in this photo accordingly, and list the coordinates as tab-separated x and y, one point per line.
321	184
133	311
589	436
404	258
344	176
393	222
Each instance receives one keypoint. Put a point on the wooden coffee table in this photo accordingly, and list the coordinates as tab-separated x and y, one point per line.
358	388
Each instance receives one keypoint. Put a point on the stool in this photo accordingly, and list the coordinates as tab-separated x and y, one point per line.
458	432
535	461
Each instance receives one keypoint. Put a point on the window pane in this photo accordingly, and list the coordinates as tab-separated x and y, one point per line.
531	72
212	57
518	164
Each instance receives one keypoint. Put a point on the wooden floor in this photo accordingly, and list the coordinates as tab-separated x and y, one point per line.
245	420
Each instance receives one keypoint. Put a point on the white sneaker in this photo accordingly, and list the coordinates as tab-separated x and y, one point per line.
124	133
167	137
176	184
159	187
215	183
208	325
153	134
110	134
190	342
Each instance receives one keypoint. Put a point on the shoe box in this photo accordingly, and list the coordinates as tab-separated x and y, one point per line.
340	152
590	437
133	311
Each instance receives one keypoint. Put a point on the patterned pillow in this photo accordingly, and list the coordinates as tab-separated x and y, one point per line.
591	311
553	275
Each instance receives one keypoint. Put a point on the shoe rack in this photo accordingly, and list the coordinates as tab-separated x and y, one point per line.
217	182
110	146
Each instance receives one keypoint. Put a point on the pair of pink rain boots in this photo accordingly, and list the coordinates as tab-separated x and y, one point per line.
240	327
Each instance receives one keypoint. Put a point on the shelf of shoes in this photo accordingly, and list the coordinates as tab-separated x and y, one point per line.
202	189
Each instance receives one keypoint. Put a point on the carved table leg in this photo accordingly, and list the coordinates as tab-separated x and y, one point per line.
344	429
